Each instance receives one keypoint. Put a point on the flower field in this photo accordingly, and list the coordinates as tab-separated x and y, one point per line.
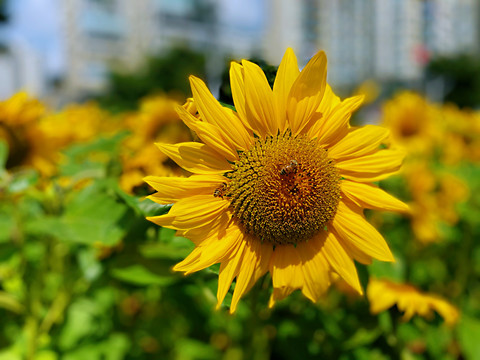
382	263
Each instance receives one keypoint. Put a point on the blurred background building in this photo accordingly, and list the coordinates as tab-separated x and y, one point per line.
386	40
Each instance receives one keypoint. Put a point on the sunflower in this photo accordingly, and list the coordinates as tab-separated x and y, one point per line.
280	184
413	121
156	120
384	294
77	123
29	145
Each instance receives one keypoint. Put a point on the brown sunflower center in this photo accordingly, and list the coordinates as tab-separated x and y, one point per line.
284	190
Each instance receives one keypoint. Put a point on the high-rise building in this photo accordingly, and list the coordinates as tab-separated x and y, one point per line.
389	40
101	34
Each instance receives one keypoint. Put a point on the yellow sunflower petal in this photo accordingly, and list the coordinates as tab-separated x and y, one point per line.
449	312
172	189
256	257
329	102
353	227
200	233
335	126
371	197
212	251
229	269
315	268
341	262
302	267
307	92
359	142
353	251
286	270
286	75
212	112
250	139
210	134
259	105
383	294
279	294
373	167
192	212
196	157
237	83
380	299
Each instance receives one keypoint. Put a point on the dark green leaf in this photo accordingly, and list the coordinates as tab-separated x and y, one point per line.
139	275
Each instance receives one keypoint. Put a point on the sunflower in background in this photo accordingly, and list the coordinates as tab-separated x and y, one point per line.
77	123
461	137
412	121
280	184
156	120
27	141
436	137
384	294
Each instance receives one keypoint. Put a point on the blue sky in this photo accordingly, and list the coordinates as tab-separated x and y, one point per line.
37	22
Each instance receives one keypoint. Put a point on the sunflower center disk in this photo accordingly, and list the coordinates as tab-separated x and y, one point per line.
284	190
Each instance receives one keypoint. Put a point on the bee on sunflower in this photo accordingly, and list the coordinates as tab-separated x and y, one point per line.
294	178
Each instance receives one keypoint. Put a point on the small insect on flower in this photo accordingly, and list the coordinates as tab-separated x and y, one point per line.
290	168
220	191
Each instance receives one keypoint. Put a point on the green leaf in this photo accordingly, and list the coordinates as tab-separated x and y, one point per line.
10	354
91	159
22	180
367	354
139	275
193	349
114	348
228	106
10	303
468	330
7	224
393	271
143	206
94	216
151	208
79	323
90	265
362	337
176	249
3	154
362	275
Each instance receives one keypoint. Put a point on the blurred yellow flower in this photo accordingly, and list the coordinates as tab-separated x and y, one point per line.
157	120
19	127
461	135
434	199
412	122
383	294
278	185
77	123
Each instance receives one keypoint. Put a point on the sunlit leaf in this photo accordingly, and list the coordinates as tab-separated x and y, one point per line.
10	303
22	180
362	337
468	330
3	154
139	275
7	223
388	270
194	349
